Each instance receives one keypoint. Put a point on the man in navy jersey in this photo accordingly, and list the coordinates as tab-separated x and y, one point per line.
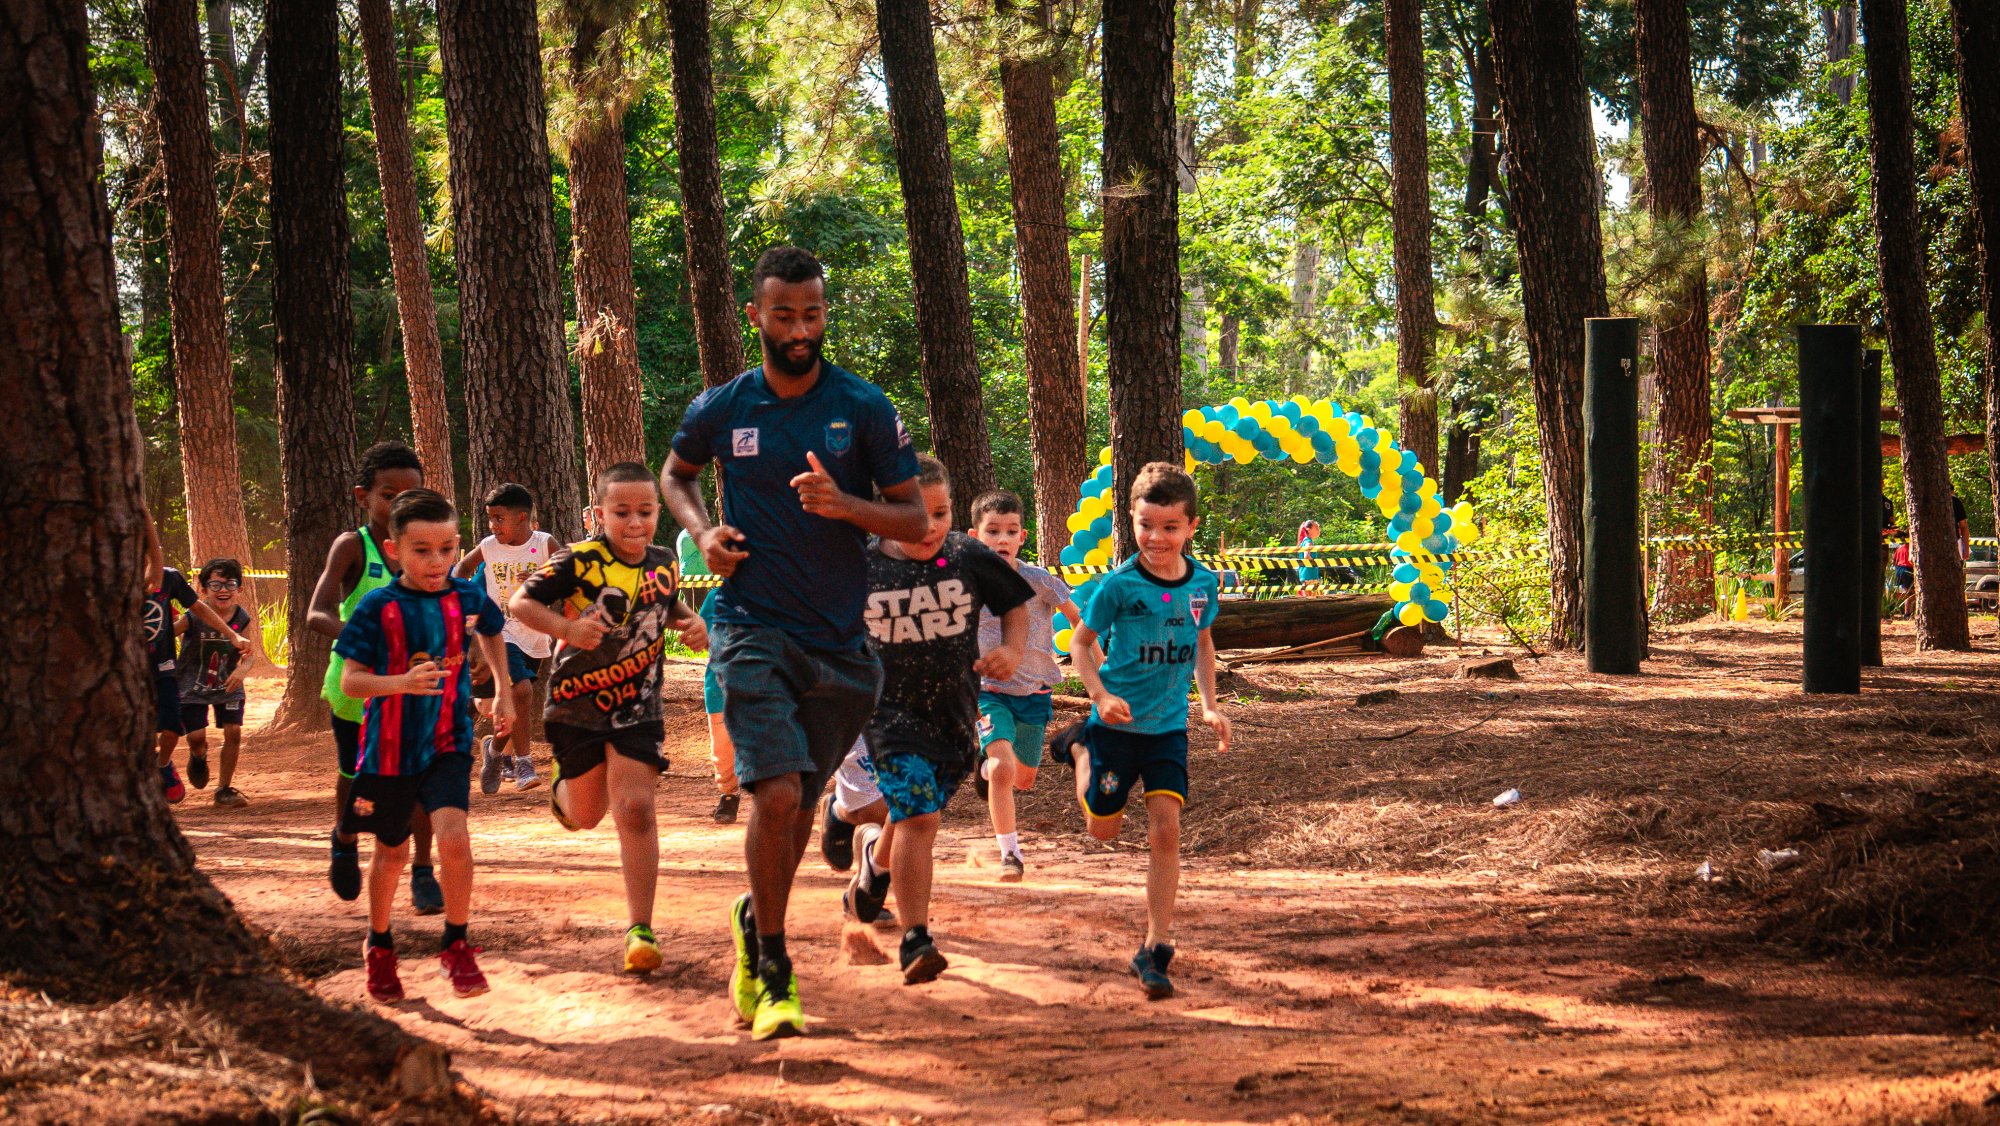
800	448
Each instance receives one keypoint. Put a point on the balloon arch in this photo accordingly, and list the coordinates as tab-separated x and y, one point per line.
1304	431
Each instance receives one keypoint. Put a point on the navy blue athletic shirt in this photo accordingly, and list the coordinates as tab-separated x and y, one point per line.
806	575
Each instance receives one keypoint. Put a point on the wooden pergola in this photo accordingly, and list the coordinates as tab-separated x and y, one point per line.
1784	418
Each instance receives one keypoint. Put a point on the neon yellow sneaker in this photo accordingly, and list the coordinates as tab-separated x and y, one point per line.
743	986
555	803
642	953
778	1016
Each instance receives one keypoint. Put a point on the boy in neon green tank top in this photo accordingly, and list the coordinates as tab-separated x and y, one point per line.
355	566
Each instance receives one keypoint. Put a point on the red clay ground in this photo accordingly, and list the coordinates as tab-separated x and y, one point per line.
1364	937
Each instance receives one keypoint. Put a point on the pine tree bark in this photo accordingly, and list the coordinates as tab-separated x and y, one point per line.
1553	180
1669	132
311	306
1906	312
222	62
1482	172
96	883
950	357
718	316
409	259
1976	30
1142	276
203	382
1056	422
521	425
1837	21
607	349
1410	217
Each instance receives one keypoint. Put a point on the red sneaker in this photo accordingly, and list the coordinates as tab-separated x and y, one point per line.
170	781
383	984
462	971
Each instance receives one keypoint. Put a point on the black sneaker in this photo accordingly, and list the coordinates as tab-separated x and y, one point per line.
343	871
921	960
836	837
864	896
198	771
426	897
724	812
1063	744
1149	965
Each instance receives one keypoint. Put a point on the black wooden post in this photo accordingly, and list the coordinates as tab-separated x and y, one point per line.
1829	441
1871	508
1614	595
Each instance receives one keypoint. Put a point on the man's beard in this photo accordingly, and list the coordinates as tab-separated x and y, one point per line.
778	356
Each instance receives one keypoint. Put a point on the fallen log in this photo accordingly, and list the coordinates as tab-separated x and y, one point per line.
1283	622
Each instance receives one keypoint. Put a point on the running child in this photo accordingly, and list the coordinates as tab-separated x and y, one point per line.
356	567
163	608
924	602
514	550
1014	713
213	664
403	653
603	716
1152	616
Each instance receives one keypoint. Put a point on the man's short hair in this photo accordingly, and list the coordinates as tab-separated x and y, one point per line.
511	495
419	506
619	473
228	568
931	471
995	502
1164	483
384	456
788	264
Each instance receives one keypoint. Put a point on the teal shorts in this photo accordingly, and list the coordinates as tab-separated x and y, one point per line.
1019	720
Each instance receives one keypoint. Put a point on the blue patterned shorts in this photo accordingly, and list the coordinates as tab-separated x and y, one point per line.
911	784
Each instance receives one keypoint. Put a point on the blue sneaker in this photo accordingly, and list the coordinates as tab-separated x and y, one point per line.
425	894
1149	965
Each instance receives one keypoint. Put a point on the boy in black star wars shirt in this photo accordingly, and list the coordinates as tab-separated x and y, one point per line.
924	600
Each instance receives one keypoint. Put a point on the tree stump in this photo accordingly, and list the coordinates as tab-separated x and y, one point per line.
1492	668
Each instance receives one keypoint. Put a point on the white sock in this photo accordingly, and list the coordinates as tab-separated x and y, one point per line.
868	859
1010	843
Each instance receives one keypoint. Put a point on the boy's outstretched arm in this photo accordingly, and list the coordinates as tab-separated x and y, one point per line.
215	621
469	562
342	557
1074	615
680	484
1001	661
1083	649
1204	682
494	648
156	559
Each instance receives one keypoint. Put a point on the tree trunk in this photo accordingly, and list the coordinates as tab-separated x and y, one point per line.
607	349
1410	211
203	385
96	883
1056	422
1482	173
1683	477
950	358
314	318
409	260
1194	301
1554	189
1461	460
1142	275
1976	27
718	317
1305	303
1837	21
222	62
520	424
1228	346
1906	312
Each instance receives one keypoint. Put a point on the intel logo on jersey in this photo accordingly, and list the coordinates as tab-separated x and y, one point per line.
1167	654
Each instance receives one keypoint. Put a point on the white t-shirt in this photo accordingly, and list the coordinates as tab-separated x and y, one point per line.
506	569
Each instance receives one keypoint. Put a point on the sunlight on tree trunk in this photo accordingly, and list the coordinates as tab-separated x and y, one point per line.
718	316
1410	170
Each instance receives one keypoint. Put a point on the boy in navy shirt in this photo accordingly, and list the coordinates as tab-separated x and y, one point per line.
800	446
925	598
1151	618
403	654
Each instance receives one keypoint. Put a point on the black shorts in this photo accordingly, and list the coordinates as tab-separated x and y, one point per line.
194	715
167	707
382	804
579	750
1120	759
789	709
347	745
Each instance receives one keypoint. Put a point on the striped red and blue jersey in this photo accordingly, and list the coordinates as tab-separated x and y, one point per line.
395	628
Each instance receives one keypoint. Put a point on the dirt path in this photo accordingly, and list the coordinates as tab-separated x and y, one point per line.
1326	995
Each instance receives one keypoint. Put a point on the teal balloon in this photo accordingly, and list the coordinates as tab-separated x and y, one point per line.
1411	502
1370	490
1071	556
1308	425
1399	524
1420	592
1325	456
1442	522
1435	543
1290	410
1370	460
1227	413
1187	436
1436	611
1087	540
1101	525
1405	573
1246	428
1371	481
1409	461
1368	437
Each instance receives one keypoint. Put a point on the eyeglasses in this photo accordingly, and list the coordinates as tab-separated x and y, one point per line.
222	584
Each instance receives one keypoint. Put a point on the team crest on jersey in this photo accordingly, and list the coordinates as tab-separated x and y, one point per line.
985	725
743	442
839	436
902	435
1197	606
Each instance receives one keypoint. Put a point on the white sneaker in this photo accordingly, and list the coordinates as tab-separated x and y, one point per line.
525	777
490	766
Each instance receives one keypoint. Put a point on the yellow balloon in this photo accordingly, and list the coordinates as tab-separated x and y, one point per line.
1241	404
1466	534
1410	542
1384	442
1302	453
1399	591
1188	462
1098	557
1429	488
1430	574
1411	614
1423	525
1261	411
1278	424
1213	430
1430	509
1192	420
1104	456
1062	639
1077	522
1348	465
1244	453
1442	594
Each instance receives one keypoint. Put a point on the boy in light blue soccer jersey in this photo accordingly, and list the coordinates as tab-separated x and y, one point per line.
1150	619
